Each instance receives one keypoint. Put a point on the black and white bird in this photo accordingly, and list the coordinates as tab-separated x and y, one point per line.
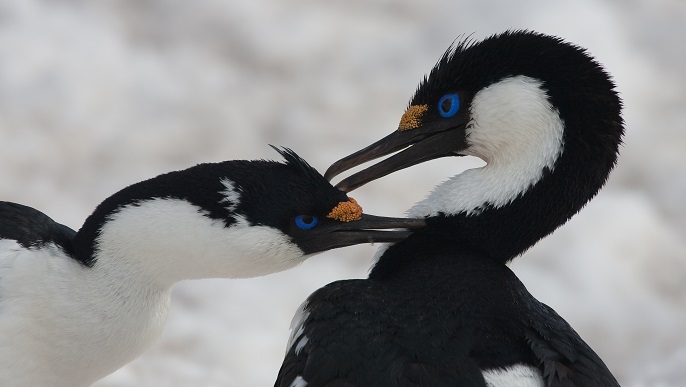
75	306
441	308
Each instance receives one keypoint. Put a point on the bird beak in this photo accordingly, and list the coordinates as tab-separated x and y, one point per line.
426	142
333	234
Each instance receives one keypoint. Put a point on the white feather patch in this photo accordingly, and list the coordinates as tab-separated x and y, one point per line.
516	130
231	196
57	315
299	382
298	327
301	344
172	240
518	375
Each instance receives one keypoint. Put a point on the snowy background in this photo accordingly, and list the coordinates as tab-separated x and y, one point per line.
97	95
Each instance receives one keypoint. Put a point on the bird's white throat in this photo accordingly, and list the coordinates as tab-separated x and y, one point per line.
169	240
517	131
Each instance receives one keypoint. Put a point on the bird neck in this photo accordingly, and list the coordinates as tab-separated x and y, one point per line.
162	241
506	230
540	169
516	130
431	259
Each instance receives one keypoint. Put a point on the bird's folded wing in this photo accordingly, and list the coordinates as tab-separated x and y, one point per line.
32	228
566	360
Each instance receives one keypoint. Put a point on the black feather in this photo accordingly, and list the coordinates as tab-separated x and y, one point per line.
32	228
442	307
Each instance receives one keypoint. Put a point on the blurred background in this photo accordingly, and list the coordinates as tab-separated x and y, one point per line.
98	95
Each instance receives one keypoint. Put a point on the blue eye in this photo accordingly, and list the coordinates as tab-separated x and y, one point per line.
306	222
449	105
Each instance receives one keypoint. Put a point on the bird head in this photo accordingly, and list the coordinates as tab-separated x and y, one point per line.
509	98
297	200
230	219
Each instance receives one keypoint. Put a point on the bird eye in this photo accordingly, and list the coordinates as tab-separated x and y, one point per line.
306	222
449	105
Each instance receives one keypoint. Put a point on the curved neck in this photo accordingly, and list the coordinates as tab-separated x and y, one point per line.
163	241
506	231
517	131
540	169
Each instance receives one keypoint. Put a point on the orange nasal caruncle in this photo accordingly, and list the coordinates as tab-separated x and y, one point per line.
412	117
346	211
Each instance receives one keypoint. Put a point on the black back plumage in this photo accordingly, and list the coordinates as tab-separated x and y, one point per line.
434	313
32	228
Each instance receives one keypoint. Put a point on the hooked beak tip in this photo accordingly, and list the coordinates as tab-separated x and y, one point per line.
343	187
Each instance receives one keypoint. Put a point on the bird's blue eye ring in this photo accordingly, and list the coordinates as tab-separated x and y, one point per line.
449	105
306	222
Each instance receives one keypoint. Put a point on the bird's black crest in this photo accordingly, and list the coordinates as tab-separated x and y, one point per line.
501	55
299	164
458	45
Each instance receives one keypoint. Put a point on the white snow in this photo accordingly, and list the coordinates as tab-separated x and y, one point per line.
98	95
